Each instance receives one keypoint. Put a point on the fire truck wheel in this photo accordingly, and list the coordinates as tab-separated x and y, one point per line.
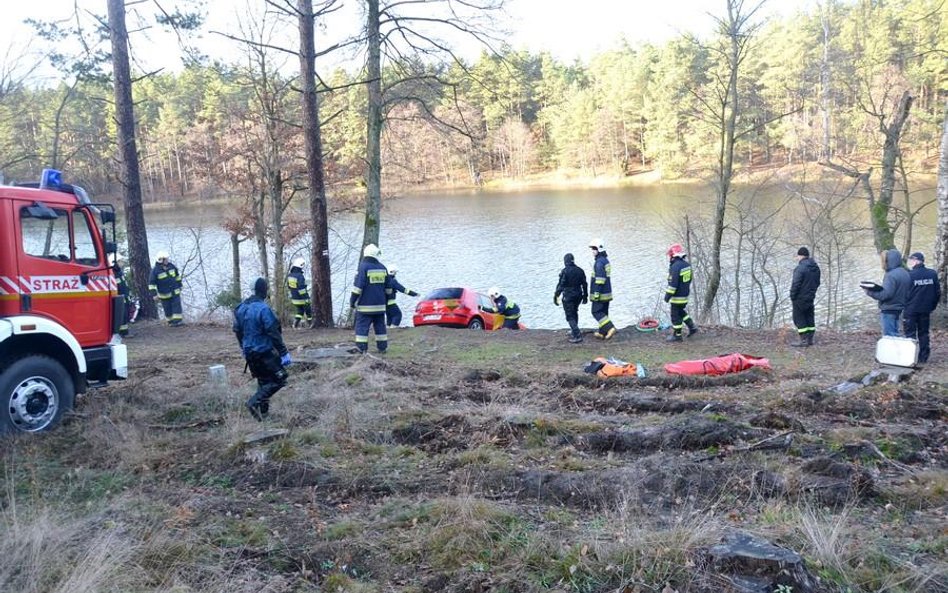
35	392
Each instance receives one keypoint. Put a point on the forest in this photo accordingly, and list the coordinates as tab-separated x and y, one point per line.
853	90
814	87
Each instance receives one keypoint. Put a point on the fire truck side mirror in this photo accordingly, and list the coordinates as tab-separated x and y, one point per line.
84	278
111	247
107	216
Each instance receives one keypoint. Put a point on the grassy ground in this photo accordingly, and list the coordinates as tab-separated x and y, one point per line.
466	461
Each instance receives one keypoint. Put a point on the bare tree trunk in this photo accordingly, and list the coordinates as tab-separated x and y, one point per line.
373	150
235	263
825	151
882	234
260	233
941	240
321	289
128	153
275	188
728	119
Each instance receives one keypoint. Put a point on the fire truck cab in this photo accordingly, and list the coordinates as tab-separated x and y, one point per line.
59	306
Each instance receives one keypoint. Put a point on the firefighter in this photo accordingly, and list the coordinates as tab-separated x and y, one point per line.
165	286
299	294
393	314
261	341
122	287
600	291
806	279
924	296
369	300
572	287
679	287
509	309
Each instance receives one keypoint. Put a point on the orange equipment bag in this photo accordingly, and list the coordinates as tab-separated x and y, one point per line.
612	367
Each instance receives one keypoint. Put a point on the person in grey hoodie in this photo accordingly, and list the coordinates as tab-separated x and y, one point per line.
894	292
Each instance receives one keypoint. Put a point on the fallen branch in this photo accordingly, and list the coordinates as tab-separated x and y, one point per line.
900	466
198	424
752	447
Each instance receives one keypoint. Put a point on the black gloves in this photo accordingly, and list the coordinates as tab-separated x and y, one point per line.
412	293
585	300
556	300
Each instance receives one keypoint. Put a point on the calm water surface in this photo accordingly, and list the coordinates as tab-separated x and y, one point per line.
515	241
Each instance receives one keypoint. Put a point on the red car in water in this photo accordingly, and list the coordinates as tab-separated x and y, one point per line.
457	307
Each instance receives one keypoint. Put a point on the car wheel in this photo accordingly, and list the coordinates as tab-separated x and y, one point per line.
35	392
475	323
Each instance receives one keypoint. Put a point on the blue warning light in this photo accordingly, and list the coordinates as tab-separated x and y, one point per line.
51	178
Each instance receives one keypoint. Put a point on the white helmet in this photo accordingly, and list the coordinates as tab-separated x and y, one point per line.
392	269
299	263
162	255
494	292
596	243
371	250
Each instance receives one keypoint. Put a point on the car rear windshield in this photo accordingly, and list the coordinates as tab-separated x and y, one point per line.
444	293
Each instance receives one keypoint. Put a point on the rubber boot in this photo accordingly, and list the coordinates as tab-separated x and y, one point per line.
674	338
801	341
610	333
692	328
253	406
809	338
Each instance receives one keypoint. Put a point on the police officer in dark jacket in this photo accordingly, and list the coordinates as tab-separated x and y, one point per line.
393	314
924	296
806	279
261	341
503	306
678	291
572	287
369	299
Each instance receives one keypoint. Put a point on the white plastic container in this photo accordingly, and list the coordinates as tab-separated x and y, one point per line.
897	352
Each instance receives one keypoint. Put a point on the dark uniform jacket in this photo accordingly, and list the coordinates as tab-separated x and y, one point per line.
806	279
925	292
572	284
369	289
120	284
600	285
165	281
508	309
679	281
396	286
257	328
296	282
895	284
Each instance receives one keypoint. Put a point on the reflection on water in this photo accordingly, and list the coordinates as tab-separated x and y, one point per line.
514	241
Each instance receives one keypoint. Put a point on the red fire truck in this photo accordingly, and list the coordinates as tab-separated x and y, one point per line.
59	307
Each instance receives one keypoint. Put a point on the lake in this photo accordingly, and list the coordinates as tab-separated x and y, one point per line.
516	241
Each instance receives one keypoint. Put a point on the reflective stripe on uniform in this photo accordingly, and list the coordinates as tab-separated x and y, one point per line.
362	339
356	290
370	308
678	300
604	321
